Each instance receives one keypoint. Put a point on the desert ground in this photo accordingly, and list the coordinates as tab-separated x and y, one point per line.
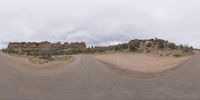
31	61
147	63
89	78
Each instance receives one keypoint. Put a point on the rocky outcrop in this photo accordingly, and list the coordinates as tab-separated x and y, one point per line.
154	43
30	46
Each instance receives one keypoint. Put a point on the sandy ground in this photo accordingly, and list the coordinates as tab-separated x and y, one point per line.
25	61
147	63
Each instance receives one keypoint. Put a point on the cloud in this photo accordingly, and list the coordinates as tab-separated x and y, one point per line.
99	22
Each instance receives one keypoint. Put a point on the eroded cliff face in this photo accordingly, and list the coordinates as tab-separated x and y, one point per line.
31	46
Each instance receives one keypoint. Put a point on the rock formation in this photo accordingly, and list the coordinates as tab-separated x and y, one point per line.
31	46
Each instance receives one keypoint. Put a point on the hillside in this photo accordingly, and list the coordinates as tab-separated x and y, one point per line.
155	46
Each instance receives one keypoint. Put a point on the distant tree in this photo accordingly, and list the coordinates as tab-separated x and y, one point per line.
181	46
186	49
191	48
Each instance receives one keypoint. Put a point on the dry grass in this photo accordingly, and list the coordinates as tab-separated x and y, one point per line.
31	61
37	60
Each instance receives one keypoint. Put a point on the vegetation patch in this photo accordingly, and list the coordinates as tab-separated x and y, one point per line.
38	60
177	55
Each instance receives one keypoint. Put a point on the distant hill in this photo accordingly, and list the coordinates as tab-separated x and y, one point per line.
157	46
148	46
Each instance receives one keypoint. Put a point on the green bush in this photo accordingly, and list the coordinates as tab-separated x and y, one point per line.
90	50
124	46
177	55
132	47
46	54
161	44
57	51
172	46
118	48
75	51
4	50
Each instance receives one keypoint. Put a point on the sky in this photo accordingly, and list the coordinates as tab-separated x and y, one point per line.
99	22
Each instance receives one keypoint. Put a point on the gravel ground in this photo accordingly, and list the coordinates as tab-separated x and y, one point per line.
89	79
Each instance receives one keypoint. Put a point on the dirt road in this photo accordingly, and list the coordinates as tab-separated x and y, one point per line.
88	79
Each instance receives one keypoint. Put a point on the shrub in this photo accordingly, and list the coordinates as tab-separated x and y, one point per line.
132	47
57	51
172	46
100	50
186	49
181	46
149	45
177	55
124	46
90	50
46	54
36	52
161	44
75	51
118	48
4	50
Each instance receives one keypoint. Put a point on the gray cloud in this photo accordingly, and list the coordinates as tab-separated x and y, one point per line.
99	22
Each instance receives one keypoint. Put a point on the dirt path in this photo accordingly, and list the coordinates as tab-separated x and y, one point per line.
88	79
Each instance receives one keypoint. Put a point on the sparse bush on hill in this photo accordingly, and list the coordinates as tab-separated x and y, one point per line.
124	46
136	45
132	47
172	45
161	44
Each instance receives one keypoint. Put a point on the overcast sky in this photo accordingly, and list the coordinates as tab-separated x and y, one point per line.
99	22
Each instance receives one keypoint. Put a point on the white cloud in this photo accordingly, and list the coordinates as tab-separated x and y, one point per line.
99	21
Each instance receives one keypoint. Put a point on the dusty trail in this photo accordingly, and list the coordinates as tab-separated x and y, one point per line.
88	79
